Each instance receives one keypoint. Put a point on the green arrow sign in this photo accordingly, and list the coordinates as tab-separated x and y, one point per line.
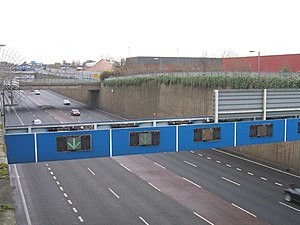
74	143
145	139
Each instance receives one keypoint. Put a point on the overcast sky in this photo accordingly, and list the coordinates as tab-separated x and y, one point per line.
54	30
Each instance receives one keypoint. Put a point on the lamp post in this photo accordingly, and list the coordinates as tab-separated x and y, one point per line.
160	60
258	61
3	102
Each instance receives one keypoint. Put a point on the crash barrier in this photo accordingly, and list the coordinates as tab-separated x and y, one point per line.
127	138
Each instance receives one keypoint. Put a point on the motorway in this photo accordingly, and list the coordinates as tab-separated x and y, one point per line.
199	187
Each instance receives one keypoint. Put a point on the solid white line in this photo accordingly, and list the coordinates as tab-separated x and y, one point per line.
125	167
65	194
154	186
260	164
22	197
80	218
70	202
243	209
91	171
203	218
191	164
298	210
251	174
142	219
197	185
75	210
263	178
218	161
159	165
224	178
228	165
279	184
113	193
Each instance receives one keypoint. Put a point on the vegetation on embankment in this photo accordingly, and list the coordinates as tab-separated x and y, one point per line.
233	82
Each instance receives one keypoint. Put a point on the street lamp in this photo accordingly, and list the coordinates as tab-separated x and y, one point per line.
258	61
160	67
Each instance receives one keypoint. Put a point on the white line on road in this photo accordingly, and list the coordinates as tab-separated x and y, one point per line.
238	169
49	168
51	173
208	158
197	185
279	184
228	165
203	218
192	152
218	161
22	197
191	164
154	186
263	178
54	177
251	174
65	194
113	193
159	165
224	178
46	164
61	188
80	219
125	167
75	210
200	154
91	171
142	219
298	210
57	183
70	202
243	209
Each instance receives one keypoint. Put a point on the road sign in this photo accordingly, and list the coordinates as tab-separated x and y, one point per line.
73	143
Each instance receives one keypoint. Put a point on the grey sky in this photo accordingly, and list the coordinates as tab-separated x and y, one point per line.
51	31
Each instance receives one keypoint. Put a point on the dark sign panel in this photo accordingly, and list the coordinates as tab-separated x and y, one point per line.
207	134
261	130
144	138
73	143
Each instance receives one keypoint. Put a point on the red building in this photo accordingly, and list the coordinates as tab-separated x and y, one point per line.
272	63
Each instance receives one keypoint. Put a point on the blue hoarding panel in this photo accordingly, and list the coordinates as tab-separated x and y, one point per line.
20	148
186	137
121	141
292	130
47	146
243	133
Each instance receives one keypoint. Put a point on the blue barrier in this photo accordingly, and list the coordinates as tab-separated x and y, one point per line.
38	147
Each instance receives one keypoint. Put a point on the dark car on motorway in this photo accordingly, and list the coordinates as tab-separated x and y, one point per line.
75	112
292	193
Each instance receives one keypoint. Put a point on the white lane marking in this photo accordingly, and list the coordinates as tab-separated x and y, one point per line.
238	169
197	185
57	183
154	186
65	194
249	173
142	219
51	173
125	167
298	210
49	168
279	184
70	202
208	158
260	164
200	154
218	161
46	164
203	218
191	164
117	196
22	197
91	171
80	219
18	116
228	165
54	177
263	178
159	165
224	178
61	188
192	152
243	210
75	210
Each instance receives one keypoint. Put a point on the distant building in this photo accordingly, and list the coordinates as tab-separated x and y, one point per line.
102	65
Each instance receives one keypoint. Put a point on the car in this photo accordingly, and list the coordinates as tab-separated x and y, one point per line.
292	193
75	112
37	92
67	102
37	122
